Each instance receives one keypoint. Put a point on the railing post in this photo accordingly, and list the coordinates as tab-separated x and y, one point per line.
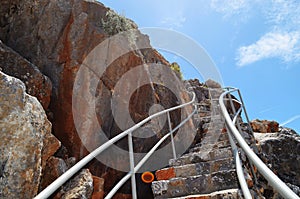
234	111
172	137
131	161
248	122
245	111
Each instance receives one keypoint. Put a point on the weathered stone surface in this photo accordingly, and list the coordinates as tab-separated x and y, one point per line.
165	174
264	126
81	186
206	183
25	140
37	84
98	190
282	151
59	47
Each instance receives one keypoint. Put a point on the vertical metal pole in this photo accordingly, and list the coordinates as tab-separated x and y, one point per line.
131	161
248	121
234	112
245	111
172	137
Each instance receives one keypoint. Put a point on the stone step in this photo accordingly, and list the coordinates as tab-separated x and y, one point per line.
204	147
201	184
224	194
195	169
191	158
212	138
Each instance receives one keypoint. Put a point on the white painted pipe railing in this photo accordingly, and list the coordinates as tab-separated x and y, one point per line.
48	191
273	180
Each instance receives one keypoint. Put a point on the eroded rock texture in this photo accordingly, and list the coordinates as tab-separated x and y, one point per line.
81	186
57	36
282	151
26	141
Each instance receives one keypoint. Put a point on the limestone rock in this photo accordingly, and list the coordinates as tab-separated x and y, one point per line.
36	83
264	126
24	130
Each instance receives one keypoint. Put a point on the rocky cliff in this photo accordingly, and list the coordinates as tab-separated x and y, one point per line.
45	44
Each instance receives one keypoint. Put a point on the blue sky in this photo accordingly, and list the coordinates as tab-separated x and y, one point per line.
254	44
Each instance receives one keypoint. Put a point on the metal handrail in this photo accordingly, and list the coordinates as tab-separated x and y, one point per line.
48	191
274	181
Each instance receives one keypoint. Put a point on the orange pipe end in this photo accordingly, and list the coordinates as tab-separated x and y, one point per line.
147	177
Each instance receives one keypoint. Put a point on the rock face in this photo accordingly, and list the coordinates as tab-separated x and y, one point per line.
282	151
37	84
264	126
57	36
26	141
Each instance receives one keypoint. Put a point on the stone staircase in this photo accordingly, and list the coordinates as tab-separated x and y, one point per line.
207	170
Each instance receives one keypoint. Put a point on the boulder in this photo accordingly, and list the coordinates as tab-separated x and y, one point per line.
264	126
80	186
37	84
282	152
26	141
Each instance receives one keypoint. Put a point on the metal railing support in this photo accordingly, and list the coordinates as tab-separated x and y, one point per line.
245	111
131	161
172	137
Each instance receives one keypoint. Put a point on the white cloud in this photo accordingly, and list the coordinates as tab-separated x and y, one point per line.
284	13
230	7
285	45
283	20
